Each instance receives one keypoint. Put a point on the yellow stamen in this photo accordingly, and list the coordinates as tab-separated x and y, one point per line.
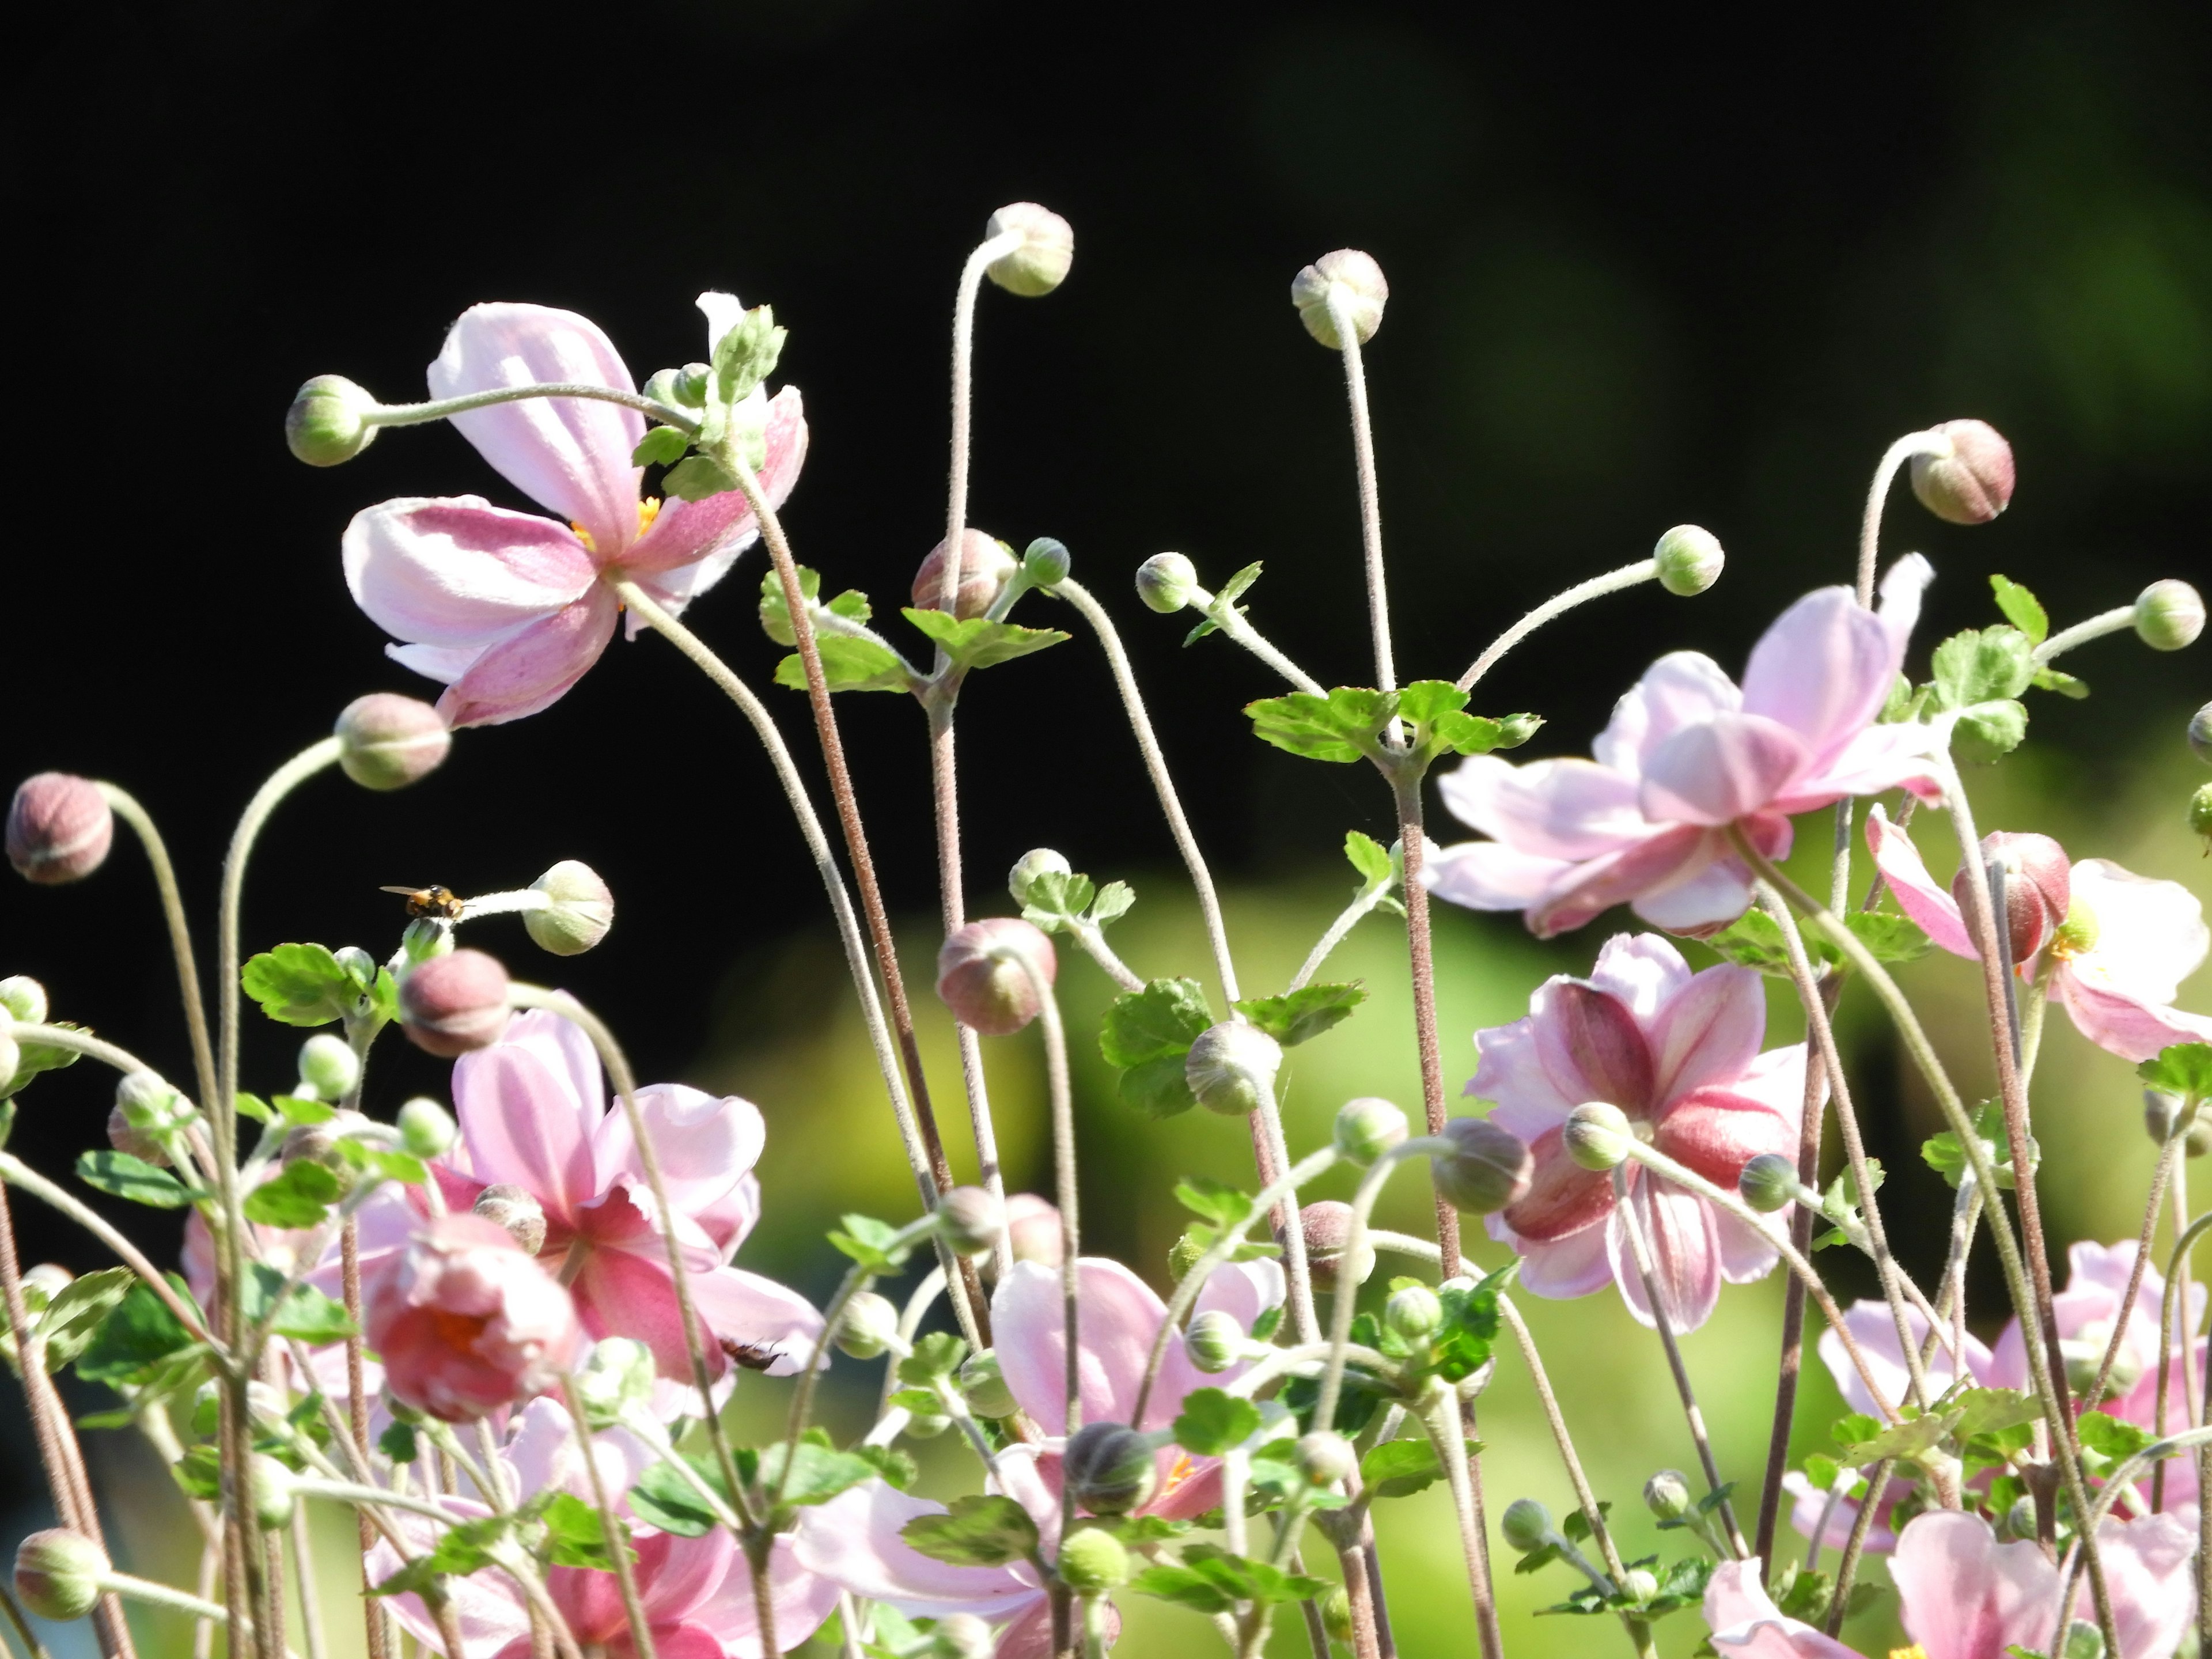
1178	1472
648	511
1916	1651
584	535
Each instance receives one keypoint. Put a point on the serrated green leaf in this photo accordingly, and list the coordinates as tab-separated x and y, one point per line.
1162	1019
133	1178
1112	903
1988	665
295	1108
1213	1201
2183	1069
936	1355
2022	608
136	1336
1340	727
979	642
254	1107
1988	731
306	1314
1157	1088
299	985
1887	938
1984	1410
818	1473
897	1469
576	1535
976	1531
1425	701
70	1322
1462	1344
298	1196
2051	679
1212	1421
660	446
848	664
1399	1469
398	1443
873	1243
1917	1432
1369	857
2111	1437
663	1498
1303	1014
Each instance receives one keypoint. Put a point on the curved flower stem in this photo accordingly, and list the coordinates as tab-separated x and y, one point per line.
1350	917
641	1628
125	806
963	352
33	1647
1885	474
1347	1295
2160	1173
2170	1338
445	407
1233	622
16	1173
1370	497
1440	1415
1071	1277
2118	1483
1613	581
1091	939
356	1423
1847	1565
1289	1219
2104	623
1307	1355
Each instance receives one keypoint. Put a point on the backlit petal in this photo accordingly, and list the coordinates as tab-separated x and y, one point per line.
1823	670
1562	809
1708	1030
1720	770
1915	889
535	668
1680	689
459	572
1685	1257
1120	1315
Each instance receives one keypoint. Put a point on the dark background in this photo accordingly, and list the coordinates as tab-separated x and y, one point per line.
1670	270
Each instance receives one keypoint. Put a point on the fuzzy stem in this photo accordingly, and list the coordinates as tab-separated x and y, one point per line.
1233	622
1847	1565
1341	1303
641	1628
445	407
2170	1338
1440	1416
2104	623
1371	499
1613	581
1421	951
964	352
126	807
2160	1173
14	1172
1885	474
379	1634
1346	920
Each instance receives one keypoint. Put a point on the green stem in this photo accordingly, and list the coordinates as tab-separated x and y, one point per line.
1613	581
125	806
445	407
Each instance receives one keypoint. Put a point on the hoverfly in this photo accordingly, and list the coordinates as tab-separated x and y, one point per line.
753	1355
441	902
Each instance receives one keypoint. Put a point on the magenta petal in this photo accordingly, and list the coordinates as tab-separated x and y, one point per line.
800	1597
679	1575
1563	809
1686	1258
533	669
1659	862
1746	1625
1823	670
626	1293
1563	1269
1708	1030
524	1126
2148	1570
2124	1024
1878	759
1563	1198
1916	890
1720	770
459	573
1592	1046
689	532
1964	1595
1716	1132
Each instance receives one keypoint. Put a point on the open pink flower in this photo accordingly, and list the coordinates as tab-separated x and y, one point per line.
533	1114
2117	964
1687	755
509	608
1746	1625
1679	1052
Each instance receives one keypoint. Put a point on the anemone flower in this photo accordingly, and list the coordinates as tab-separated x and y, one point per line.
509	608
1746	1625
1687	755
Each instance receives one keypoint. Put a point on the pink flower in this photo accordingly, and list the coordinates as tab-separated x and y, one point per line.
1688	754
465	1323
1679	1052
533	1114
1746	1625
509	608
2117	964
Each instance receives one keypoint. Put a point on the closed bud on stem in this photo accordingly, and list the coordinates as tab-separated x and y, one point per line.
1769	1183
2083	1640
1968	479
329	1068
1110	1468
127	1138
1231	1068
2200	733
147	1110
1040	264
2038	888
11	1061
1597	1135
318	1143
869	1326
1667	1495
1092	1561
1336	1614
426	1128
1639	1583
581	911
925	1425
1033	1230
1327	1225
58	1573
1689	560
328	423
1046	562
23	999
984	1386
617	1377
970	1220
1367	1129
59	829
962	1636
1215	1341
1414	1313
2200	813
274	1493
2018	1522
2169	614
1021	880
1526	1524
985	563
1353	275
1325	1457
1166	582
454	1002
518	1214
1487	1168
984	974
387	741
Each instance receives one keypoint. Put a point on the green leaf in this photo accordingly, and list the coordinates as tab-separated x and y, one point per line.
1230	592
576	1535
979	642
1988	731
897	1469
976	1531
818	1473
2022	608
72	1322
306	1314
1370	858
1755	940
745	356
661	1498
1211	1580
1112	903
1305	1013
1463	1344
297	1110
132	1178
1211	1421
1943	1154
1986	1410
136	1336
297	1197
2109	1436
1425	701
2051	679
198	1474
696	478
2185	1069
1340	727
1991	665
1399	1469
384	1161
1147	1034
1887	938
299	985
254	1107
1056	898
1157	1088
1917	1432
873	1243
850	665
936	1355
1357	1403
398	1442
1213	1201
660	445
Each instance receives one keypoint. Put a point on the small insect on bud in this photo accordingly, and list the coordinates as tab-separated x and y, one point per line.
328	422
1040	264
1414	1313
23	999
985	563
581	911
58	1573
1215	1340
2169	614
518	1213
1367	1129
1325	1457
961	1635
984	1386
275	1492
455	1003
987	973
2200	814
1769	1183
43	1283
1487	1168
1022	880
1327	1225
1033	1230
1231	1068
970	1220
870	1325
1166	582
1110	1468
1092	1562
59	829
1667	1495
1336	1614
1358	282
426	1128
1689	560
1046	562
1526	1524
329	1068
617	1379
1969	482
2200	733
1597	1135
388	741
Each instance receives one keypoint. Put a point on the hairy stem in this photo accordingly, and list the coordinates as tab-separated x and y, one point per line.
1629	575
126	807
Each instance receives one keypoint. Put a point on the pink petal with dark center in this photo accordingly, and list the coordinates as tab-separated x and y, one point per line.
534	669
1590	1043
1562	1197
1716	1132
1708	1030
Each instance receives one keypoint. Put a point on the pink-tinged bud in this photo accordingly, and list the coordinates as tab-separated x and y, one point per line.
1971	484
1326	1225
454	1002
984	974
467	1323
59	829
2169	614
1487	1168
970	1220
58	1573
1033	1229
390	741
2038	883
985	562
129	1139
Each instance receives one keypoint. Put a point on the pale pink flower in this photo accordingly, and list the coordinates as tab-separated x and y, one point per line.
1677	1052
2128	943
1746	1625
509	608
1689	753
465	1323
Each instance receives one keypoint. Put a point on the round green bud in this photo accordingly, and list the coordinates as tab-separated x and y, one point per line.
23	999
1526	1525
580	911
1231	1068
1368	1128
925	1425
984	1385
1022	880
2200	812
1336	1614
1046	562
1639	1583
43	1283
870	1325
1325	1457
274	1493
961	1635
1689	560
1667	1495
1166	581
2200	733
1110	1468
426	1128
1487	1168
329	1068
1040	264
617	1379
1415	1313
519	1214
1215	1341
319	1144
2083	1640
970	1220
1092	1561
387	741
2169	614
328	422
1356	284
1597	1135
2019	1521
1769	1183
58	1573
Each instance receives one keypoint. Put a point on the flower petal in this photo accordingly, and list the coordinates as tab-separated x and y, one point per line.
722	527
1681	689
1659	862
1641	971
1685	1257
1592	1046
1823	670
1964	1595
745	1307
1701	902
1720	770
1488	875
705	1144
1561	1271
1563	1198
801	1600
1875	1331
2122	1024
1716	1132
524	1125
1708	1030
1916	890
2148	1566
2150	933
1746	1623
459	572
1563	809
535	668
854	1541
1119	1317
1880	758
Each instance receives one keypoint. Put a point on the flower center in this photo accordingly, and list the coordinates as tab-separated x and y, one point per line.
1178	1472
648	510
2077	935
458	1332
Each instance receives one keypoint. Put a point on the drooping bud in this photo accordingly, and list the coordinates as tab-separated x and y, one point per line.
329	1068
1092	1561
615	1380
517	1212
58	1573
274	1493
1487	1168
1597	1136
426	1128
1166	581
2200	733
2169	614
454	1002
147	1110
984	974
1215	1340
1971	483
1231	1068
2200	813
985	563
1357	279
970	1220
1336	1614
23	999
983	1384
59	829
1325	1457
1415	1313
1327	1225
1689	560
2038	887
328	422
1040	264
1769	1183
925	1425
1110	1468
1046	562
1021	880
581	911
1033	1230
1368	1128
1526	1524
389	741
1667	1495
870	1325
132	1141
962	1636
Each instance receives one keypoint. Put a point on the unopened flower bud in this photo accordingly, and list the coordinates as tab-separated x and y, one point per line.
2084	1353
1639	1583
2019	1521
1487	1168
1166	581
328	422
1040	264
2038	890
426	1128
59	829
1769	1183
962	1636
318	1143
1092	1562
274	1493
1970	484
1021	880
983	1384
23	999
2200	812
1327	1225
1689	560
970	1220
1667	1495
454	1002
1215	1340
1325	1457
329	1068
985	562
518	1212
869	1326
577	918
617	1379
2169	614
1110	1468
388	741
1033	1230
1336	1614
1231	1068
1046	562
1415	1314
2200	733
1357	279
43	1283
132	1141
1368	1128
2083	1640
58	1573
925	1425
1526	1525
985	973
1597	1136
146	1108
